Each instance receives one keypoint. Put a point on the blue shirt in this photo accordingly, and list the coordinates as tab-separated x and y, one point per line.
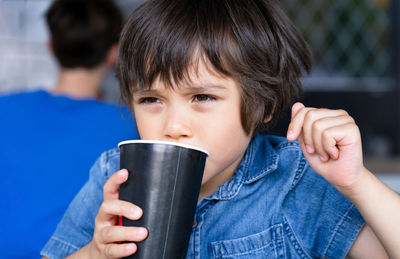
48	144
275	206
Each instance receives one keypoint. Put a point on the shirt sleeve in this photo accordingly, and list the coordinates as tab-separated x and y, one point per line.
76	228
325	223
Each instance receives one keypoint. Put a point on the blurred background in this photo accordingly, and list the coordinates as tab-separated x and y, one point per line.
355	45
25	62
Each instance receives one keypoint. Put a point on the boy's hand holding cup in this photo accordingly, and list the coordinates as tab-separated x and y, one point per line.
108	235
163	179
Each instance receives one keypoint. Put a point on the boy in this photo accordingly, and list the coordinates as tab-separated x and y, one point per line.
66	129
213	73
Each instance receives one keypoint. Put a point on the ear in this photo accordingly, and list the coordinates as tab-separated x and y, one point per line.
267	119
111	56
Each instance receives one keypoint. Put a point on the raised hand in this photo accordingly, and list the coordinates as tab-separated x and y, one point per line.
330	141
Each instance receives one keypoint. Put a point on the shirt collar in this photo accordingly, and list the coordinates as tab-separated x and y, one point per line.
259	160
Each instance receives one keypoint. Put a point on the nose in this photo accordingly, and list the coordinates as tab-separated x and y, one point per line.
177	125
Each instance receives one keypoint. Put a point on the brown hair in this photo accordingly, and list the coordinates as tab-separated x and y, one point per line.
82	31
252	41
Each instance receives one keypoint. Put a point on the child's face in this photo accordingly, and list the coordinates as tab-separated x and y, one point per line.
204	113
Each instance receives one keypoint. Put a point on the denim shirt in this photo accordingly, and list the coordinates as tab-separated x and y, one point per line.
275	206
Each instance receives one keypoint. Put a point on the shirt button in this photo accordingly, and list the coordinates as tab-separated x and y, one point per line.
194	223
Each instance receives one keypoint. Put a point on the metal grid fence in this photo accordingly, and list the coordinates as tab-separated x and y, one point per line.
349	38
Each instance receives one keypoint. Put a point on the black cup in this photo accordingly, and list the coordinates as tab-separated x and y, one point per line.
164	180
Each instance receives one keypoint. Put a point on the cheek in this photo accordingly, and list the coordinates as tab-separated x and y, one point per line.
231	146
145	126
227	143
224	156
225	133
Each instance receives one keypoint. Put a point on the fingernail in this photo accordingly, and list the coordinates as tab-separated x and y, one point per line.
136	212
130	248
309	149
323	158
141	232
290	134
122	172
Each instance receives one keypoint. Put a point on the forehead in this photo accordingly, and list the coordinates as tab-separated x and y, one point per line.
198	74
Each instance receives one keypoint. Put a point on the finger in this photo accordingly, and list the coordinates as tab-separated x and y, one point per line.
312	116
111	208
338	137
113	234
111	187
120	250
301	143
296	123
296	108
329	144
326	148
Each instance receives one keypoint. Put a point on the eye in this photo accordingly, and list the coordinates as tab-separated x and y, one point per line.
203	98
149	100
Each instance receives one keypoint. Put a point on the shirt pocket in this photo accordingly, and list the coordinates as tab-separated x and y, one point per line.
266	244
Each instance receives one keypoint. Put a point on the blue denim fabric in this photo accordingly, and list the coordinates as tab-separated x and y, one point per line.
275	206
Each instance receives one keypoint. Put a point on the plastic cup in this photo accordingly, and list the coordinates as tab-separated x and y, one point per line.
164	180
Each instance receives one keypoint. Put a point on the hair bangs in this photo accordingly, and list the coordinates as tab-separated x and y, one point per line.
170	49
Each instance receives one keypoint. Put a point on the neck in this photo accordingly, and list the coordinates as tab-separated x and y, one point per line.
80	83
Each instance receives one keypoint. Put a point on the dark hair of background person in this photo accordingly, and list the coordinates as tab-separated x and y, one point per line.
252	41
82	31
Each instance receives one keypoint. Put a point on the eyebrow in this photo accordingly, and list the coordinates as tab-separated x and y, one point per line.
204	87
145	92
201	88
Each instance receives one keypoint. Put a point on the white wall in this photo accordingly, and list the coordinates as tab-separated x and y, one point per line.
25	63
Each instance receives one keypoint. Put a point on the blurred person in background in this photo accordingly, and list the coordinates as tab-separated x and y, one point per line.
49	140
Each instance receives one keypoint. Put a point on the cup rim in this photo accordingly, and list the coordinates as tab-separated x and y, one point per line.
149	141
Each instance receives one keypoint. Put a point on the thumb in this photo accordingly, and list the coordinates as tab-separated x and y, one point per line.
296	107
296	122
